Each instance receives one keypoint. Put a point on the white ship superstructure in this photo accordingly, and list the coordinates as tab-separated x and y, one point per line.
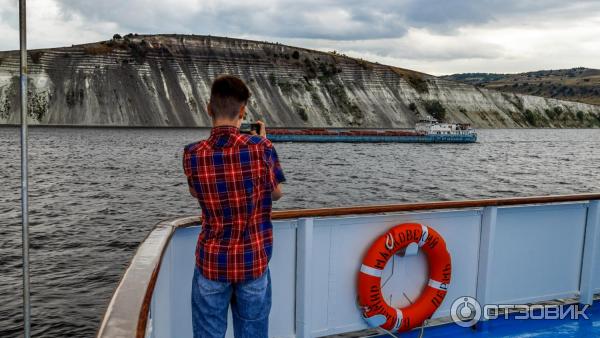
433	127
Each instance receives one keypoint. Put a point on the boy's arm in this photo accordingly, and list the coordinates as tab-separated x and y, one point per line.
275	171
188	172
276	194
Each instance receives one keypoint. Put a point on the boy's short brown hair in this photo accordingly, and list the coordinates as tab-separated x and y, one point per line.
227	95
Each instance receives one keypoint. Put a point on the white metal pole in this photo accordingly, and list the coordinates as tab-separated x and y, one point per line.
590	252
24	175
304	257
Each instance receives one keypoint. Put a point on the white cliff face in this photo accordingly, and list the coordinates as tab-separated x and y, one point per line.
165	81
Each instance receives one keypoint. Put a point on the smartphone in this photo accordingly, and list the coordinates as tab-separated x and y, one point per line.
247	128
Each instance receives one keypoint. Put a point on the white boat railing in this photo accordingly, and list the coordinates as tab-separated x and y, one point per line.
24	166
504	251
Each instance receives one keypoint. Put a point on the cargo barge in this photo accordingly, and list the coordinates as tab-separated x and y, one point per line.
426	131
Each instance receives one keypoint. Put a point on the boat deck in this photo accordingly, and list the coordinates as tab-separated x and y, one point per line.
444	327
520	328
504	251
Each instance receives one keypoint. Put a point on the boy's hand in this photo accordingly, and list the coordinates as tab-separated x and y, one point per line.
263	129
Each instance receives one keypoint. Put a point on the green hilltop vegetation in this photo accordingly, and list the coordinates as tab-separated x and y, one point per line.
575	84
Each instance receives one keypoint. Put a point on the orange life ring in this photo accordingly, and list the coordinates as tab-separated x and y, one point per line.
375	310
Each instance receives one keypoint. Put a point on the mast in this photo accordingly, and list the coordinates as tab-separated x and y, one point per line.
24	175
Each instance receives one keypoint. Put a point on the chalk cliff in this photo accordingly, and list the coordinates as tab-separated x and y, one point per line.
164	80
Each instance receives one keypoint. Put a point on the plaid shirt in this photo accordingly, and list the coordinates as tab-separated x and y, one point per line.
232	175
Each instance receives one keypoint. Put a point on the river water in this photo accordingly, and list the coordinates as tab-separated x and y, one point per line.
96	193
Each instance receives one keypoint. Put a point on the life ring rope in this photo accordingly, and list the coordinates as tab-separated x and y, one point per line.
375	309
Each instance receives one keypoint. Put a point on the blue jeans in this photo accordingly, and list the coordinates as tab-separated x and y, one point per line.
250	307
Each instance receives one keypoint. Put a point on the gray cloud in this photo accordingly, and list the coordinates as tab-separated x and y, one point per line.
352	20
330	19
387	30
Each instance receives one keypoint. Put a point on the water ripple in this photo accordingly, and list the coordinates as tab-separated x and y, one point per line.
96	193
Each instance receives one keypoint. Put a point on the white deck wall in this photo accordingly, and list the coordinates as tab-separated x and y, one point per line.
593	244
499	255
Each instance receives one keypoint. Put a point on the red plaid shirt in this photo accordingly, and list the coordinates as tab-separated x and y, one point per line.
232	175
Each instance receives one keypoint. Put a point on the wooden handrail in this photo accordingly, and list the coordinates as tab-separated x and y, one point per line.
480	203
403	207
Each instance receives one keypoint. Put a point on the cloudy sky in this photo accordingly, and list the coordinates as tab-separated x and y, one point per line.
433	36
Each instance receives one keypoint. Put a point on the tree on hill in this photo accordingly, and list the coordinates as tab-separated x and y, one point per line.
435	109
